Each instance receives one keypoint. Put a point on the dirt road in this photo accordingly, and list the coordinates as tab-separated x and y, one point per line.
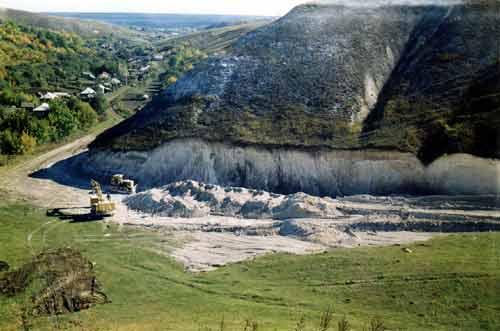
18	185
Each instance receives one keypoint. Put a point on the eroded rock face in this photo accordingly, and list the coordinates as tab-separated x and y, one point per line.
320	172
190	199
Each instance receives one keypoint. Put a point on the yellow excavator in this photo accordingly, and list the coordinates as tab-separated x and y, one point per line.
100	206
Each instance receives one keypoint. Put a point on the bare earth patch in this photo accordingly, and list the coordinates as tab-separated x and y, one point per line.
213	226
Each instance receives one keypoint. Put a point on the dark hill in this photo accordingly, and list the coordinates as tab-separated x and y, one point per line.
421	79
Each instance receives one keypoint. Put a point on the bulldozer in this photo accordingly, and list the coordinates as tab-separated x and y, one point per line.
123	186
100	206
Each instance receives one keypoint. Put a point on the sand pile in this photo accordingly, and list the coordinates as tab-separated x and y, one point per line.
189	199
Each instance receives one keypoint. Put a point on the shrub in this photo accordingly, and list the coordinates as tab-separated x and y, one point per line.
27	143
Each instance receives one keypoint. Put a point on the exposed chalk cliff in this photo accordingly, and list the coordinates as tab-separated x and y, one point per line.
318	172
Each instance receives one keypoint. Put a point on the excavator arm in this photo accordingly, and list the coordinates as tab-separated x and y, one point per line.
96	188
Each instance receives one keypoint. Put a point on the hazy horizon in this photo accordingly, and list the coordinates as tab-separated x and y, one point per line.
191	7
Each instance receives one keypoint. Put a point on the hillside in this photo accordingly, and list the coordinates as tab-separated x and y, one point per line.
330	100
162	21
314	77
71	25
217	39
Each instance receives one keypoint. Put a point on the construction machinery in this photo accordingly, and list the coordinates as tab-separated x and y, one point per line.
99	205
121	185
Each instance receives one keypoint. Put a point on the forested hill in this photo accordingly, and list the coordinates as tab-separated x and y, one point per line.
34	61
72	25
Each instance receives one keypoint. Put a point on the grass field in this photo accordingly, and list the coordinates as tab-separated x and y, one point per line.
449	283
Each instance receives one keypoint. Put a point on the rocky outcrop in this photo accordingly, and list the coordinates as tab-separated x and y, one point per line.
317	172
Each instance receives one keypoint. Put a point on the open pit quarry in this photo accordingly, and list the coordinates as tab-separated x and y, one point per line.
217	225
321	172
333	126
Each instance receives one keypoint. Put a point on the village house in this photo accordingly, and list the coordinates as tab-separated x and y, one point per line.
88	75
54	95
41	110
88	93
28	105
158	57
104	76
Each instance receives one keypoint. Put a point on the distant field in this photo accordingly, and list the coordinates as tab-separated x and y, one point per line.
165	21
450	283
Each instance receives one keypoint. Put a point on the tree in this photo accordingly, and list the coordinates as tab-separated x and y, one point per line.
62	119
85	114
27	143
40	129
100	104
9	142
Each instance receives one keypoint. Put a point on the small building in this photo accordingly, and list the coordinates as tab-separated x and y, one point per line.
145	68
48	96
104	76
145	97
27	105
101	88
88	93
158	57
54	95
62	95
88	75
41	110
116	81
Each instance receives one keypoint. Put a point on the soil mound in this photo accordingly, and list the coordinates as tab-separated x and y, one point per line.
61	281
189	199
4	266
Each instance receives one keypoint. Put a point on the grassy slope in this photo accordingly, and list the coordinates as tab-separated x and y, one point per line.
450	283
215	40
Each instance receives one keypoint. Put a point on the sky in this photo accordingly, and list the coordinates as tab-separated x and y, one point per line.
225	7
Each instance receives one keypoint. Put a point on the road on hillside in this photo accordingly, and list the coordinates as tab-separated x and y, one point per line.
18	185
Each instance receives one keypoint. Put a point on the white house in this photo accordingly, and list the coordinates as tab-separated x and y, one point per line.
54	95
104	76
158	57
48	96
101	88
42	109
88	74
116	81
88	93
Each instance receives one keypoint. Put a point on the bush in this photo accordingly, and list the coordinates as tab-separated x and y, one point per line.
63	120
85	114
100	104
27	143
9	142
